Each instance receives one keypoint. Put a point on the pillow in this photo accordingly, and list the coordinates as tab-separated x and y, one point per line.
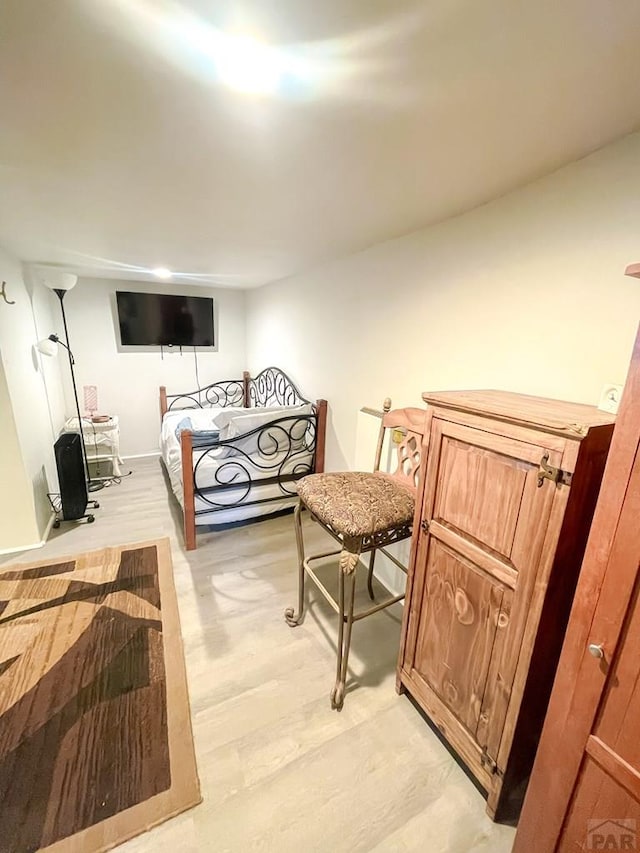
225	420
283	437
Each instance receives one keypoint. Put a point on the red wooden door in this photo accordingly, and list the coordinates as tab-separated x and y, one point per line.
584	792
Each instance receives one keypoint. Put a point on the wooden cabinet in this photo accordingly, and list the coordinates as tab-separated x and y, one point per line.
509	484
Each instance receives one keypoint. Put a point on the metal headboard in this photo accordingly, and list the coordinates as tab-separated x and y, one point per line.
272	387
229	392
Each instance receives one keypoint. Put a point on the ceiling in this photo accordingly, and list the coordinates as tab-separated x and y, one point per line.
123	147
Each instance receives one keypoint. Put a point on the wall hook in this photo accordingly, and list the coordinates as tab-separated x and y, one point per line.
3	293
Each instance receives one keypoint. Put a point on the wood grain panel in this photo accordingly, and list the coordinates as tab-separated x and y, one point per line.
473	552
479	493
600	807
617	725
625	774
556	416
457	631
499	680
506	429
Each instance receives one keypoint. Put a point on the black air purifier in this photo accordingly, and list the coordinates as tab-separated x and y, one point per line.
73	486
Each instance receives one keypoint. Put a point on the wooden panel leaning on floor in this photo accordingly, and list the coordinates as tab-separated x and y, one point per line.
585	786
509	484
274	455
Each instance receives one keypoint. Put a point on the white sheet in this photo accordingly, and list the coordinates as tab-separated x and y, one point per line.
221	465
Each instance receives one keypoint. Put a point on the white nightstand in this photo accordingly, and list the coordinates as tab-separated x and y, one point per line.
102	443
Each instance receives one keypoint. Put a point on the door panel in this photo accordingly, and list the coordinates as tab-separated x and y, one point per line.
487	519
479	494
618	725
602	815
485	492
607	785
457	631
606	799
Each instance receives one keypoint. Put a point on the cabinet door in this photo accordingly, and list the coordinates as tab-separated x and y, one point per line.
457	631
486	519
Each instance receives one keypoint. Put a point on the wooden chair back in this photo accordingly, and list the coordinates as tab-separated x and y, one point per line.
407	428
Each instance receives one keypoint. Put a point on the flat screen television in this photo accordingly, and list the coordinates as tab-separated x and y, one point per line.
158	319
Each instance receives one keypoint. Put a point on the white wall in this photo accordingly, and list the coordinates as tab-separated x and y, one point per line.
526	293
25	407
128	382
46	318
18	528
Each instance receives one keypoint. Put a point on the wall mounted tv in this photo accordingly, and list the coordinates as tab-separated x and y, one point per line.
158	319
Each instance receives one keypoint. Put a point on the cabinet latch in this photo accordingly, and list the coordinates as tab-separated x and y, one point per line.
424	525
489	763
556	475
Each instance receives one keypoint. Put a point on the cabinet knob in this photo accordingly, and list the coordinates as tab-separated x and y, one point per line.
424	525
596	650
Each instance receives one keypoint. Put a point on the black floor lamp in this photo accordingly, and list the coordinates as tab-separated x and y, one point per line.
60	283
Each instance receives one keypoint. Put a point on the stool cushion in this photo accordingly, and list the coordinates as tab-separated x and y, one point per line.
355	503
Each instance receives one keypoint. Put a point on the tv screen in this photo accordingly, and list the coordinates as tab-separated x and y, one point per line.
157	319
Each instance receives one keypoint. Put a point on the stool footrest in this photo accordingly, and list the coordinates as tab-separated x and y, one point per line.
334	604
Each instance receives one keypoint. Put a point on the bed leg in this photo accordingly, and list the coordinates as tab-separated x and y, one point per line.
246	380
163	402
321	435
190	531
188	498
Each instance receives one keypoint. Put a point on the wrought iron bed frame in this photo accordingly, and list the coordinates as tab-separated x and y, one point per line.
295	436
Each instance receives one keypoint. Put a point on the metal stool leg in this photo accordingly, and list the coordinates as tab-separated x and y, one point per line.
292	618
372	559
345	616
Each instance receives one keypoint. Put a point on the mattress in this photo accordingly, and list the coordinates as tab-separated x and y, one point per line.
228	465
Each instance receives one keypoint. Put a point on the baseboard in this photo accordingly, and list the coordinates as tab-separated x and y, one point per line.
35	545
142	455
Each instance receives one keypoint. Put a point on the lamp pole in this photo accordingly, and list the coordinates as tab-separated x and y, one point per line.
91	487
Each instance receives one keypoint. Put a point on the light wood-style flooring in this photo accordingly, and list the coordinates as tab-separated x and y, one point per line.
281	771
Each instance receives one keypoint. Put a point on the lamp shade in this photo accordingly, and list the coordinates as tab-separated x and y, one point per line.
56	280
47	347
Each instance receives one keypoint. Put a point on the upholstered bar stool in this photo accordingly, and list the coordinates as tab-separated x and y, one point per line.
363	512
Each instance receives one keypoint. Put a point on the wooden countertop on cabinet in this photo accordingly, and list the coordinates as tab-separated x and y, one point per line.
508	489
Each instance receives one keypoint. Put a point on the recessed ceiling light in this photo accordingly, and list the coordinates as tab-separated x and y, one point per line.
248	65
161	272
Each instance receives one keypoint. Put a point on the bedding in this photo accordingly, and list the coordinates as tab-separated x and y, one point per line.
233	423
271	439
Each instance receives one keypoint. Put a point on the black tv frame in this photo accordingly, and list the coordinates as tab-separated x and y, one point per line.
165	340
